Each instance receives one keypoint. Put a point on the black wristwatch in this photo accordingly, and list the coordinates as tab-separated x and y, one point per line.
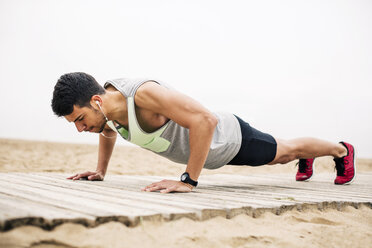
185	178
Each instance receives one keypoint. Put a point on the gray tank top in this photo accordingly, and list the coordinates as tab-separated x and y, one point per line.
226	139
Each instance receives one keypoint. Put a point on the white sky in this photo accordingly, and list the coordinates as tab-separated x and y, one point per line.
290	68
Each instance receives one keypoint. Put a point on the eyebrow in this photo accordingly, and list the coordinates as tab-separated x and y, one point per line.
78	117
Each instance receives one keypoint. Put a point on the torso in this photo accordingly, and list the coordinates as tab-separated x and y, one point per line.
149	121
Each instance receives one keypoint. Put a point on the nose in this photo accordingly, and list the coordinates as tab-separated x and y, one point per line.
80	127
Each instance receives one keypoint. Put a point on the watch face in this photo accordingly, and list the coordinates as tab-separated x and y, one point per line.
183	177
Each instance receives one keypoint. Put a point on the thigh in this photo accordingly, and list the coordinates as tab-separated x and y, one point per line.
257	148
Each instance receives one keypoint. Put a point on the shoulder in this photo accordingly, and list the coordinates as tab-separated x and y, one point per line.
158	98
151	90
150	85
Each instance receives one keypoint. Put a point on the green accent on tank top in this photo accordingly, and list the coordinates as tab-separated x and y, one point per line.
136	135
123	132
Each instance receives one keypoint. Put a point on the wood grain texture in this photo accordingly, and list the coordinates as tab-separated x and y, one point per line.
48	199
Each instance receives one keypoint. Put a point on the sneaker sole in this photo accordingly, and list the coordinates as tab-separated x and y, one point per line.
355	165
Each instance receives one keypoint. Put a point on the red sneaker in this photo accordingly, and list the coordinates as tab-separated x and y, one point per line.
345	166
305	169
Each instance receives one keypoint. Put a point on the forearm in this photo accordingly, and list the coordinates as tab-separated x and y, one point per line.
200	138
106	146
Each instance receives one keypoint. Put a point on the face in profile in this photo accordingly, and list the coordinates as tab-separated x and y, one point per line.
87	119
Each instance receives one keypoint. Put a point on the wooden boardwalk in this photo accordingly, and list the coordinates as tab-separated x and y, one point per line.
47	200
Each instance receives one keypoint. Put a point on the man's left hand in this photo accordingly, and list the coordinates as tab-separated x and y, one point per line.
167	186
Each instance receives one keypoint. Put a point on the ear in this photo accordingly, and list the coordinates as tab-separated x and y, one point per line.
95	101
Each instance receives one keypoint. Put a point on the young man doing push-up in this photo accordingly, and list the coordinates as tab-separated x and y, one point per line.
152	115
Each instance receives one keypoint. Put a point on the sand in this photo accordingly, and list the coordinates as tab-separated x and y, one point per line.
309	228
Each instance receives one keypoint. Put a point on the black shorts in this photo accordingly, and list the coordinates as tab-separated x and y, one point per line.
257	148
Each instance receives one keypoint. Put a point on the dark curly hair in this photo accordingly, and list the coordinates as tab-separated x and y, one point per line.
75	88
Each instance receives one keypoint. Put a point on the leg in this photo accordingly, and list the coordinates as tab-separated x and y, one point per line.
289	150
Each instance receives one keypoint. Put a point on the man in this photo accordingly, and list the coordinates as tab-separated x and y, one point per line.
154	116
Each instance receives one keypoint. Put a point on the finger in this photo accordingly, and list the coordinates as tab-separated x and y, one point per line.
155	188
76	177
85	174
148	186
168	190
71	177
151	185
145	188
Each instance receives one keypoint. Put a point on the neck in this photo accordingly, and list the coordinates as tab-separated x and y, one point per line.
115	106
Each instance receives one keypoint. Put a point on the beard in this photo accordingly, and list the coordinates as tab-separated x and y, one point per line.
102	122
103	126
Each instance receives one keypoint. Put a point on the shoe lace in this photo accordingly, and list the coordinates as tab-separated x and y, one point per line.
301	165
340	166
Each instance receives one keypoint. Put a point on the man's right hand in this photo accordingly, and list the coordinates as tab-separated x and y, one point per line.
89	175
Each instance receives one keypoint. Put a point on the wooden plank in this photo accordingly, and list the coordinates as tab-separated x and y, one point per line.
288	189
325	194
113	195
117	202
170	211
25	208
169	199
15	211
247	189
47	199
67	200
310	186
271	196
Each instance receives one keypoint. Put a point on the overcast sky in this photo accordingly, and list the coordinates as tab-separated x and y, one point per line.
290	68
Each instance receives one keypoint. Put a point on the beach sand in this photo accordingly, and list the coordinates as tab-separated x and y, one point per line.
348	227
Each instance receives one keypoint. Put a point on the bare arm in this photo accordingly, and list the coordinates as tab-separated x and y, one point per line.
186	112
106	146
